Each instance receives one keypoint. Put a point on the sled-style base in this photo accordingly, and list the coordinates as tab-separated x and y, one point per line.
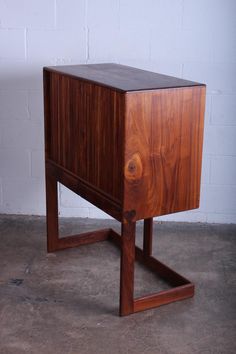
182	288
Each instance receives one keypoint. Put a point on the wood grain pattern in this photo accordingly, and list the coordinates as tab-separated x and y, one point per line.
163	151
84	189
51	212
121	78
130	142
82	239
86	127
141	150
127	268
163	297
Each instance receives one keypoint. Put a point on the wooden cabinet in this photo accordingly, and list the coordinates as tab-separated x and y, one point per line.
127	140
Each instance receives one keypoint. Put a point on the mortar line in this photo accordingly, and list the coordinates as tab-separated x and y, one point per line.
86	33
55	14
25	43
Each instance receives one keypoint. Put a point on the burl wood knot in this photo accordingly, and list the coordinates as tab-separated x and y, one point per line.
134	169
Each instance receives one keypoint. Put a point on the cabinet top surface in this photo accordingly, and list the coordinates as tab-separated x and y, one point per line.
121	77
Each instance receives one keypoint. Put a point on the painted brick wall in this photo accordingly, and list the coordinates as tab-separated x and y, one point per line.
193	39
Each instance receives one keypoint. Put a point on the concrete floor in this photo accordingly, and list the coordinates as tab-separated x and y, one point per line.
67	302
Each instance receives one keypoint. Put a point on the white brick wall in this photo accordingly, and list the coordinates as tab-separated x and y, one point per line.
194	39
27	14
12	44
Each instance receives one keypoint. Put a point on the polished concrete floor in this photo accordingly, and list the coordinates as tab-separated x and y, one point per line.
67	302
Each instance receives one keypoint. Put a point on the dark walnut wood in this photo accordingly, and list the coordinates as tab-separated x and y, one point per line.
130	142
163	151
139	150
121	77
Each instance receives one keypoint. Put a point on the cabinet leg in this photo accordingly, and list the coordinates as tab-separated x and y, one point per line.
51	212
147	237
127	268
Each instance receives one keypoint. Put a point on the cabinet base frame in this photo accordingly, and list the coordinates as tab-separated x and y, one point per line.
181	287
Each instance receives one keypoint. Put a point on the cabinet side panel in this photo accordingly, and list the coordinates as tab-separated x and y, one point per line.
87	132
163	151
47	120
